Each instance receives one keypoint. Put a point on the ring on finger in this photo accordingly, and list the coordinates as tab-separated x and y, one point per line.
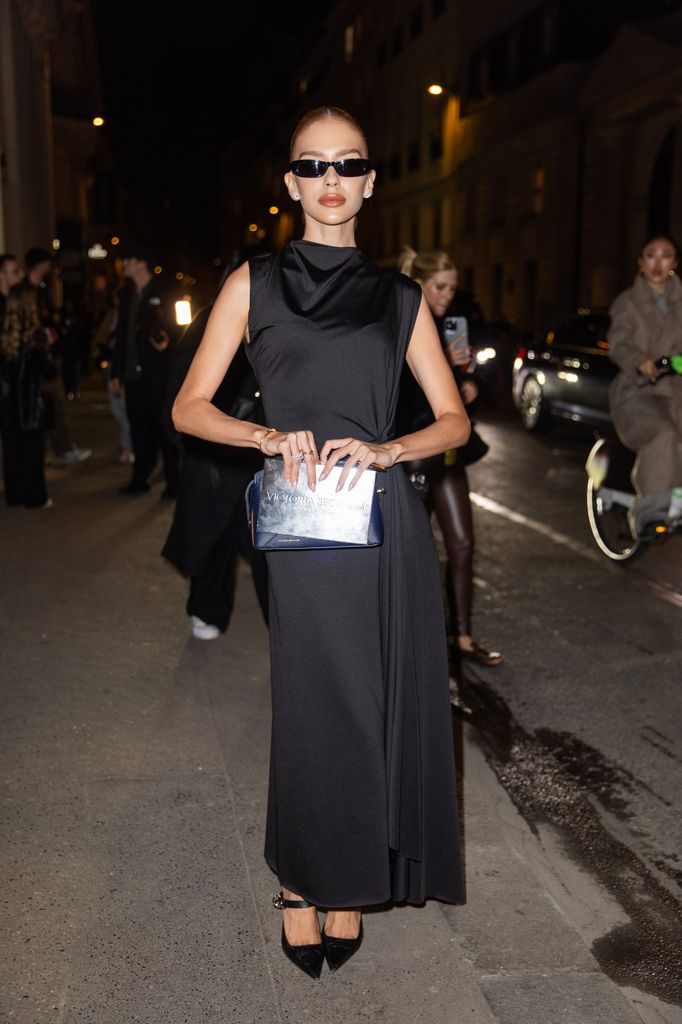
298	457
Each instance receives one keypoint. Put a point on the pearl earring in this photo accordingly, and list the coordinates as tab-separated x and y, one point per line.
671	273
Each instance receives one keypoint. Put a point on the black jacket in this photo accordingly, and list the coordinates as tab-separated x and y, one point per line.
213	477
156	312
24	405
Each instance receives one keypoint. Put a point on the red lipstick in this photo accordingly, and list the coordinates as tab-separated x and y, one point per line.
332	200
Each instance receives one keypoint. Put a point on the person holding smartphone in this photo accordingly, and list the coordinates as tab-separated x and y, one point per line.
442	480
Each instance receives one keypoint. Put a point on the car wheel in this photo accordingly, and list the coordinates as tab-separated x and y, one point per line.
533	407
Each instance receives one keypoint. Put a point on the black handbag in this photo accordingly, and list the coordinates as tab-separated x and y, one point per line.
473	450
282	517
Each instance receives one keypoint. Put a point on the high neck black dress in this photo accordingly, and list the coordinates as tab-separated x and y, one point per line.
362	805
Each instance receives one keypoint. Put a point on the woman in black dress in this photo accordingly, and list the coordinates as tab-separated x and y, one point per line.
362	803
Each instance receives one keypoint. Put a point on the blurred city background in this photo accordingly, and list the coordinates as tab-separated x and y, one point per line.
539	144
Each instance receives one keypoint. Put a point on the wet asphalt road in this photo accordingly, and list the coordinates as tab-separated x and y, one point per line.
582	723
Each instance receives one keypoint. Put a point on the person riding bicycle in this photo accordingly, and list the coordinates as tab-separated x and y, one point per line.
646	324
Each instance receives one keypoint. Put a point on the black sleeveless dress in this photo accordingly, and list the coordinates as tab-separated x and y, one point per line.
362	804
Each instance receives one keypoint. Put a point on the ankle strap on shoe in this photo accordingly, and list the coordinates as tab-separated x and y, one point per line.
280	903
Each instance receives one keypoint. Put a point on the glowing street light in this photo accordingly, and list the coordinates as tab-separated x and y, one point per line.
435	89
98	121
115	240
183	312
253	228
273	210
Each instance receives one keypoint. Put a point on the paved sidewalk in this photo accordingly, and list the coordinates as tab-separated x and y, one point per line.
134	770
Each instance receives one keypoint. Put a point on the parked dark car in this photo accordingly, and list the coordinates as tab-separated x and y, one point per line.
567	375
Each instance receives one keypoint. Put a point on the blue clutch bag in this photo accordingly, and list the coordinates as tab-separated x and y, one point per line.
282	517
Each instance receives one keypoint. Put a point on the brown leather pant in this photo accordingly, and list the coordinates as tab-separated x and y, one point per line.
447	495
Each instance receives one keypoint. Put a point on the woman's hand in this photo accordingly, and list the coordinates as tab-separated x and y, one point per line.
647	368
459	355
291	446
359	456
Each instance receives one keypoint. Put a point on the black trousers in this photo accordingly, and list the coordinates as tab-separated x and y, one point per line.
23	464
211	596
144	406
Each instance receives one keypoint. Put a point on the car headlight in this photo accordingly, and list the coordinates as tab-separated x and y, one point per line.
518	363
485	355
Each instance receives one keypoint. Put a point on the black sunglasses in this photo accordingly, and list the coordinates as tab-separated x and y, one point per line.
353	168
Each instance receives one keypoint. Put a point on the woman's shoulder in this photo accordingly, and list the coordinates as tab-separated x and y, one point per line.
403	285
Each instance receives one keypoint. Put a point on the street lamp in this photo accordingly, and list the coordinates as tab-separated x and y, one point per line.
183	312
98	121
435	89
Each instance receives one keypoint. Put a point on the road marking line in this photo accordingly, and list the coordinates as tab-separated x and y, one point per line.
489	505
517	517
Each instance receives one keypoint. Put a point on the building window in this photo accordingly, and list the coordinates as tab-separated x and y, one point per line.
470	204
381	54
437	7
436	143
437	214
414	228
348	43
498	201
397	44
394	166
416	21
413	155
537	196
496	283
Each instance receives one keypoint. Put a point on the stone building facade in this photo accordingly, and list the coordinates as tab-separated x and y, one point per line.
27	204
554	149
51	151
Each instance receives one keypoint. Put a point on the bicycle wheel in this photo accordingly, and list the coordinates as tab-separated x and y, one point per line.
609	496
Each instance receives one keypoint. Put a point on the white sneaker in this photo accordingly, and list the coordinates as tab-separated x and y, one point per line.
204	630
76	455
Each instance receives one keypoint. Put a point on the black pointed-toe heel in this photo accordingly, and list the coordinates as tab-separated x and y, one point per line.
308	958
338	951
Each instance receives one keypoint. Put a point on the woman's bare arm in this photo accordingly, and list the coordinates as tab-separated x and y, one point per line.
193	411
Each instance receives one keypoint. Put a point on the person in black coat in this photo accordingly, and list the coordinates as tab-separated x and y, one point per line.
25	367
209	527
145	335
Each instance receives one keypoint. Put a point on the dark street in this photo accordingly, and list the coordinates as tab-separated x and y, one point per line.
135	764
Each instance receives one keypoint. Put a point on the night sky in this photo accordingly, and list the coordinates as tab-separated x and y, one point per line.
178	81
